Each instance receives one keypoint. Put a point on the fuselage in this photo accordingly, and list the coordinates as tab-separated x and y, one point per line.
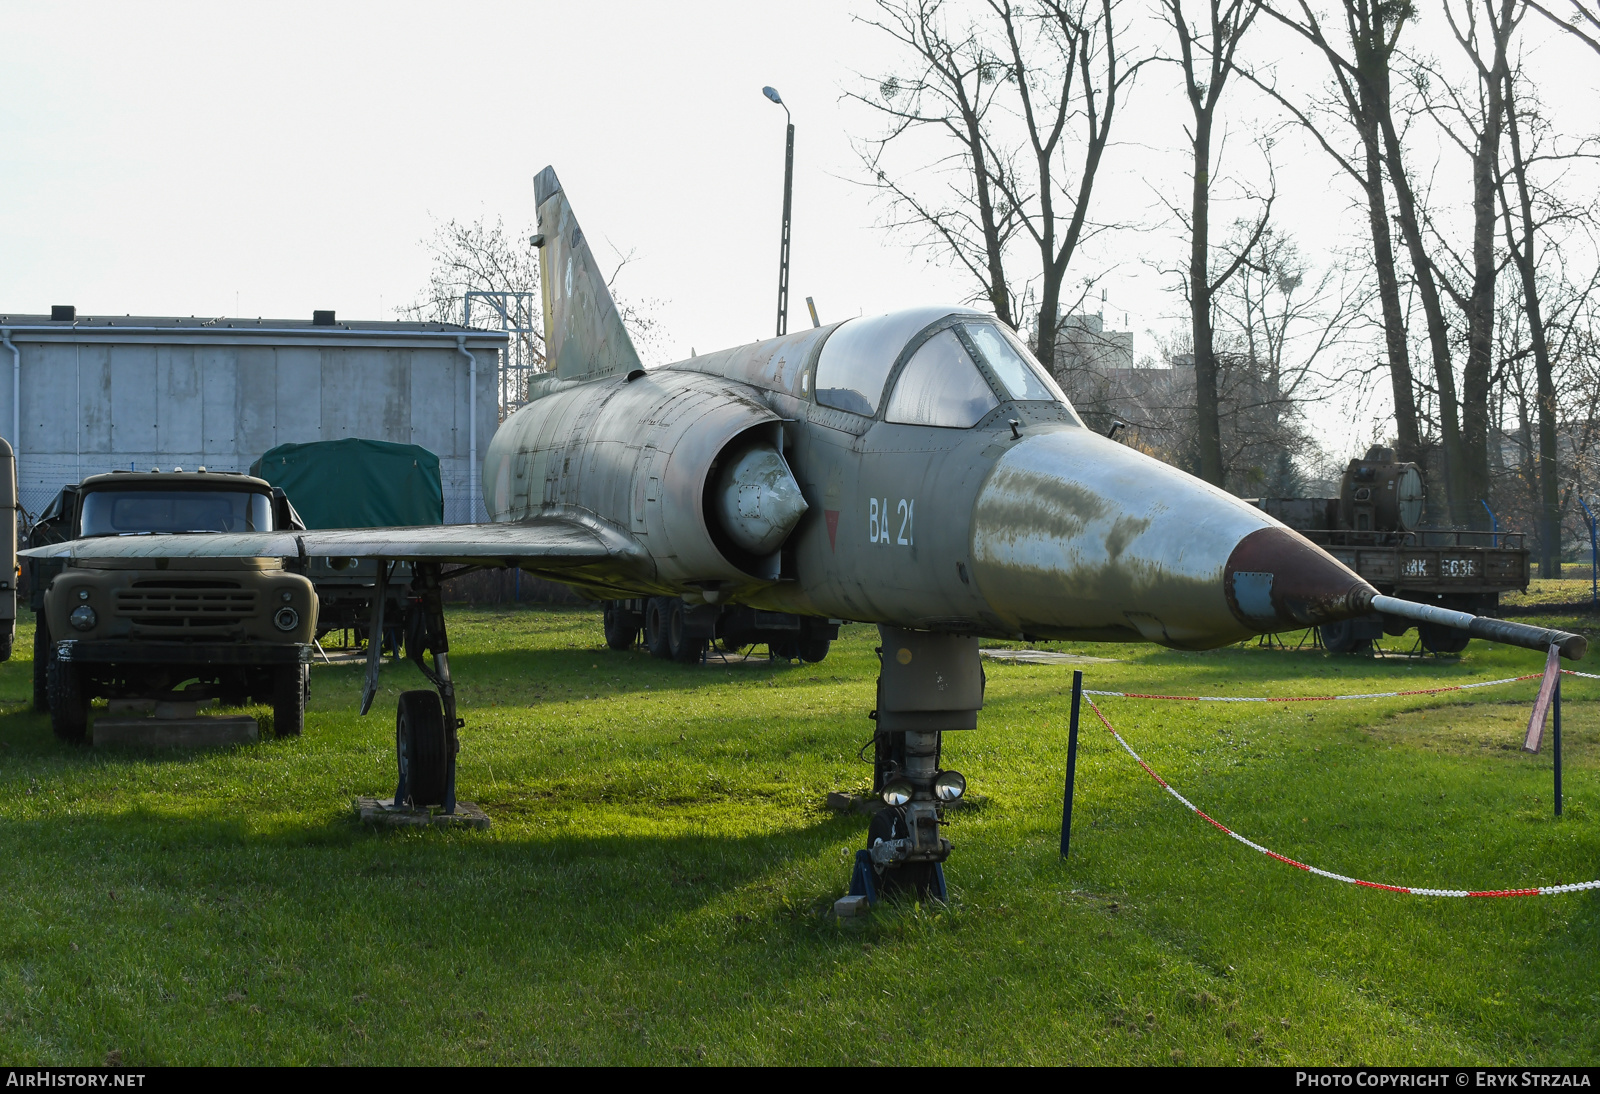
1009	518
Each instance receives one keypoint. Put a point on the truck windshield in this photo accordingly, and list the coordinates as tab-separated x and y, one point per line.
135	512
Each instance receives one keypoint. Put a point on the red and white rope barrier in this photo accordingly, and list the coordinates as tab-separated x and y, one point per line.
1544	890
1330	698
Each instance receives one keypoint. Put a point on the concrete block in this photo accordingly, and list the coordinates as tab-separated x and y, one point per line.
382	812
847	907
210	732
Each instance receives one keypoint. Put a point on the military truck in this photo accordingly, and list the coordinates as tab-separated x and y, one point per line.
8	551
1374	527
176	630
357	483
675	630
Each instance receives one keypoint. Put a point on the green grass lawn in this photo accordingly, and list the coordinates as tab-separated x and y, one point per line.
656	884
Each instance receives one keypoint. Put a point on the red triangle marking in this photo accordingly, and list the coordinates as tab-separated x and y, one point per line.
832	516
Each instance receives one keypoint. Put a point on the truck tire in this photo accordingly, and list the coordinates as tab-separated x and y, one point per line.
683	649
44	651
288	700
1437	638
421	743
622	627
69	701
657	611
1341	637
8	640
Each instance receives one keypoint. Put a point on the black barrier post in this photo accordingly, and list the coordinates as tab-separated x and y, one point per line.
1072	762
1557	698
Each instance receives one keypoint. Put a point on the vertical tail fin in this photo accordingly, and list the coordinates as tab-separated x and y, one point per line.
584	336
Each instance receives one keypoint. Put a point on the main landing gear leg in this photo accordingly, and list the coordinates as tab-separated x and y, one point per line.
426	741
928	684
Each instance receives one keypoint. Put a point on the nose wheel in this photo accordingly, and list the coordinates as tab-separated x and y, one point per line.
928	685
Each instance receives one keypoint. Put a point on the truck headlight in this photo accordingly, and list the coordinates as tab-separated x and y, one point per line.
949	786
287	619
83	618
897	792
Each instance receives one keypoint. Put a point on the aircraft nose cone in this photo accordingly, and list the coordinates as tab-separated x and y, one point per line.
1078	537
1276	579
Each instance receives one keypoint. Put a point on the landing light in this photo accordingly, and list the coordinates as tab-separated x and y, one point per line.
949	786
897	792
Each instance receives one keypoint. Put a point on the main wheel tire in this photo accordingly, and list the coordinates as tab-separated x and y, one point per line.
1437	638
69	701
622	628
684	650
1341	637
657	613
421	745
44	651
289	700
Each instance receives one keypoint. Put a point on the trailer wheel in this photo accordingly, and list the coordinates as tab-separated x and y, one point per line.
289	700
657	611
684	650
44	651
1341	637
813	646
69	701
1437	638
420	743
622	627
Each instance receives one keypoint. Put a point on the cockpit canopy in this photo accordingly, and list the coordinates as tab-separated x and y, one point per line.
958	365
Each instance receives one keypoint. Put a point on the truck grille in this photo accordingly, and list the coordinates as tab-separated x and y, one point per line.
181	607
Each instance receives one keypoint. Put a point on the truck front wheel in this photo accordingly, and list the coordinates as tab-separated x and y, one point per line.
69	701
289	700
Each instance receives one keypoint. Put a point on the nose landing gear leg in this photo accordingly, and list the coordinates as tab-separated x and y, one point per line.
928	684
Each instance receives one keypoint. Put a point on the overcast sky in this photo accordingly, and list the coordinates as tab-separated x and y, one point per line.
266	160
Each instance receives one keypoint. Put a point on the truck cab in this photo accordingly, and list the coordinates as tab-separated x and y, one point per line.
169	629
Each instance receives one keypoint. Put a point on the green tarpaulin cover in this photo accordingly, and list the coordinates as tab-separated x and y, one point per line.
356	483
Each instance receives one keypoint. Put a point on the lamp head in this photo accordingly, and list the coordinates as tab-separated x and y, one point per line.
772	93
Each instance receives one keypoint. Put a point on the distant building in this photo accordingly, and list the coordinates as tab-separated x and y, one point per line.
93	394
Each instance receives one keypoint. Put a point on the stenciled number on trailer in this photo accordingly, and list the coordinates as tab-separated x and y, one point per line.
895	526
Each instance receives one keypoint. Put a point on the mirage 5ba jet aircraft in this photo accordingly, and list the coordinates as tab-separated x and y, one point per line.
918	470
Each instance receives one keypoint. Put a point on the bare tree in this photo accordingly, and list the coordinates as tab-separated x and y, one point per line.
1019	105
1583	22
1206	54
482	256
1362	87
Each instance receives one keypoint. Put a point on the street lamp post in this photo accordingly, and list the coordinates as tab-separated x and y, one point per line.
788	200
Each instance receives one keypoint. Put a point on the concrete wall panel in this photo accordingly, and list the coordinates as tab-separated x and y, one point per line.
255	399
299	396
219	404
180	411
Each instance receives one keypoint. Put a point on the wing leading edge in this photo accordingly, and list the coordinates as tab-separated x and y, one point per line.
543	543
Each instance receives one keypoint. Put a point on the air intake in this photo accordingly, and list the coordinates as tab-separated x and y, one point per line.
322	319
63	313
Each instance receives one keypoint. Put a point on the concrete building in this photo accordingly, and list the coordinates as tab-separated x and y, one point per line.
92	394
